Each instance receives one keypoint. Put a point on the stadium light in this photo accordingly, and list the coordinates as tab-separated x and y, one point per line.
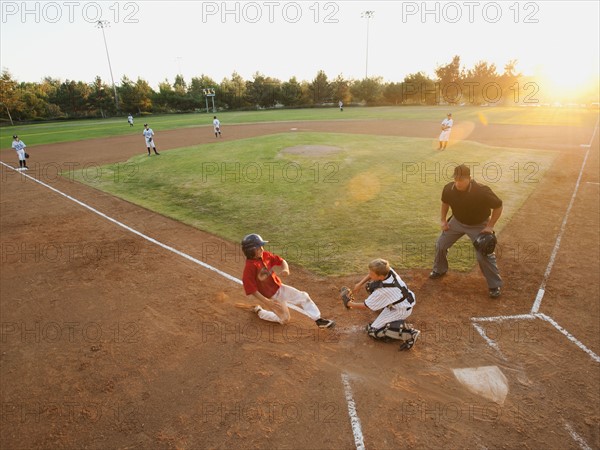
103	24
367	15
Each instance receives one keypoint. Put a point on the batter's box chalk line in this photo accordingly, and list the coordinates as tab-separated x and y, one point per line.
544	317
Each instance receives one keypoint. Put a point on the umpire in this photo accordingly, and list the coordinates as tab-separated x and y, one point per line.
471	204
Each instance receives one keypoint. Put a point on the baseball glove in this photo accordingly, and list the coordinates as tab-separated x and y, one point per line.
346	295
26	155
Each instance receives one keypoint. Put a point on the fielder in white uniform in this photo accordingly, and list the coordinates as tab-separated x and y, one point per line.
446	129
130	120
19	147
390	295
217	127
149	136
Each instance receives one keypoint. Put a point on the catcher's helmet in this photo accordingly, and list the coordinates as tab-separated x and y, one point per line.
251	242
485	243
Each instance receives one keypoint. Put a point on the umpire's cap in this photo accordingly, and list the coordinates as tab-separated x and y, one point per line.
462	171
250	242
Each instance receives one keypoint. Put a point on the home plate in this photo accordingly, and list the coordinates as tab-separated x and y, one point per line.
487	381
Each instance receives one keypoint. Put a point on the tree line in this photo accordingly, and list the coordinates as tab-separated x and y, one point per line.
54	99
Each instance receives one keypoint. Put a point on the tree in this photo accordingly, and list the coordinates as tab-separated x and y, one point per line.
449	79
368	90
320	88
392	93
263	91
418	88
340	89
10	97
233	91
291	92
99	100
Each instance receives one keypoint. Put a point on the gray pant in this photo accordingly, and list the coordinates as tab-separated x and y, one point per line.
487	264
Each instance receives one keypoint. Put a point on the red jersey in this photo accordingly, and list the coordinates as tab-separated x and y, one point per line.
271	283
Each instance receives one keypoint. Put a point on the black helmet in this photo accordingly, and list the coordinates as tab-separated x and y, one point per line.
251	242
15	136
485	243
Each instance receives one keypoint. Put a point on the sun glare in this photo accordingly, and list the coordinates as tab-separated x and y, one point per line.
568	81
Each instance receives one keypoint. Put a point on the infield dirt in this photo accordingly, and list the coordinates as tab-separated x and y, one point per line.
110	341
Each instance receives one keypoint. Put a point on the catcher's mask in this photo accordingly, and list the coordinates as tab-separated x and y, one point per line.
251	242
485	243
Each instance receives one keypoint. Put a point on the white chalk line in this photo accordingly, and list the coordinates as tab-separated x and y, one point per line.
142	235
569	336
577	438
542	316
542	290
489	341
354	419
540	295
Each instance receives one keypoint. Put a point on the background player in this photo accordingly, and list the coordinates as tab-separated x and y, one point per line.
19	147
217	127
149	135
446	129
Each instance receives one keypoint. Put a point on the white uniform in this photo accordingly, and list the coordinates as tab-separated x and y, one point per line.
148	134
130	119
217	126
19	147
382	298
446	128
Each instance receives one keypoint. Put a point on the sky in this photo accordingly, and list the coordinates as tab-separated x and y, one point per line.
156	40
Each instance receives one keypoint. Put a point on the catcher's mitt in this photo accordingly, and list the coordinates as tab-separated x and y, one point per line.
346	295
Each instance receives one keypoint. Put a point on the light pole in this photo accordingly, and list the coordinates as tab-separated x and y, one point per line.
367	15
103	24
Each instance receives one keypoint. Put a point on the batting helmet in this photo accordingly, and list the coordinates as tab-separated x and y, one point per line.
485	243
251	242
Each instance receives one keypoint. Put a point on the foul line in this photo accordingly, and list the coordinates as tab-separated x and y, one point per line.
541	291
354	420
142	235
577	438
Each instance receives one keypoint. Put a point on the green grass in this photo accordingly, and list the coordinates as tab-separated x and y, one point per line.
47	133
378	197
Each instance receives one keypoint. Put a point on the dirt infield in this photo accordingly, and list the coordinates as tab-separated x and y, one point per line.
112	341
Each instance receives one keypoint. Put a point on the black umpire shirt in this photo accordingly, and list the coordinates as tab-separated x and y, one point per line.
473	206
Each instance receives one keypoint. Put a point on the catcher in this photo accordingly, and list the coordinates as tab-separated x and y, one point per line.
390	295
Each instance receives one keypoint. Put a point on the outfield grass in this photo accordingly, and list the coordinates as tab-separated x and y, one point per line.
377	197
47	133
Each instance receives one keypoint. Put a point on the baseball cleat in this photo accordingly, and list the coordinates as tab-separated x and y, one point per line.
435	275
325	323
495	292
407	345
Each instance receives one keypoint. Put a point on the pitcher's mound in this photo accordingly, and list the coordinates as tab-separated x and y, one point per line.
487	381
312	150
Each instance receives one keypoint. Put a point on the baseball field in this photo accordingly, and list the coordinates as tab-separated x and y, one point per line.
120	273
